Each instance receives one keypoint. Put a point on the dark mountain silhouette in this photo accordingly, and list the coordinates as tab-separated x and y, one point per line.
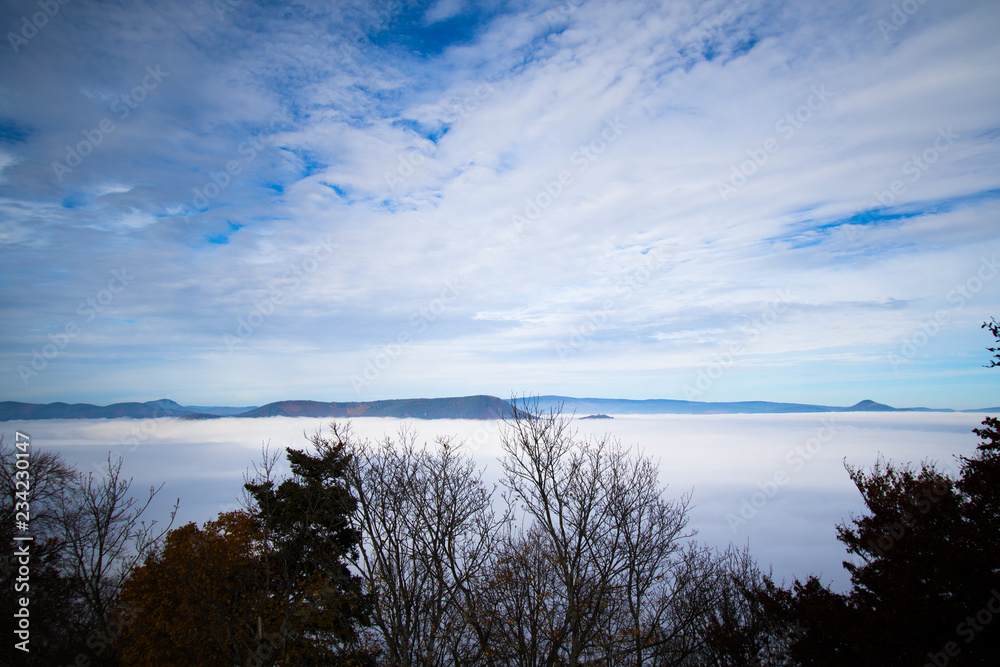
669	406
870	406
163	408
621	406
467	407
464	407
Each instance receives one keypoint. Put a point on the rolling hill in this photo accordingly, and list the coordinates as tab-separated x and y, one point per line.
463	407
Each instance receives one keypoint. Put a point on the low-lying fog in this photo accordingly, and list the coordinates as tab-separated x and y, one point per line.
793	463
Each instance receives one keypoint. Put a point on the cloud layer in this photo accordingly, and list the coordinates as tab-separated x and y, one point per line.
712	200
729	462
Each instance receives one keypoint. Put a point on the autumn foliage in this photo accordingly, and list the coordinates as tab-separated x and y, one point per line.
263	586
196	602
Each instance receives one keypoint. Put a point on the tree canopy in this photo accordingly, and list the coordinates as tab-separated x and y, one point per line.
264	586
925	569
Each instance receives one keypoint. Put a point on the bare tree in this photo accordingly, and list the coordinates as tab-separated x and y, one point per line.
49	474
660	569
105	536
87	533
629	587
739	630
521	605
34	491
599	568
429	532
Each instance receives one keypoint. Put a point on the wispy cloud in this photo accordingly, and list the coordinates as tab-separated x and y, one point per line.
412	134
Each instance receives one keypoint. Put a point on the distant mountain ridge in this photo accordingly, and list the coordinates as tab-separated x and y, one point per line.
463	407
466	407
163	408
657	406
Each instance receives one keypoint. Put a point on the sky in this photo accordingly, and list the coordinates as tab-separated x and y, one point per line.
232	202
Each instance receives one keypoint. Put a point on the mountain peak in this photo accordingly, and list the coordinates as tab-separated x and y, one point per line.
872	406
166	403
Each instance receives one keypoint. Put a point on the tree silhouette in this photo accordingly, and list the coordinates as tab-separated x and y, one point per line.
51	590
266	585
612	576
994	328
429	532
926	577
88	531
307	540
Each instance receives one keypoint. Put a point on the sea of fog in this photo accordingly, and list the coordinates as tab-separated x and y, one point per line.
775	482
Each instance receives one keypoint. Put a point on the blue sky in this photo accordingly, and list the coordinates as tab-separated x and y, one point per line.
240	202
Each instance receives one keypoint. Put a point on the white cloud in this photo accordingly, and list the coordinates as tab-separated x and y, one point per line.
6	160
724	459
698	89
442	10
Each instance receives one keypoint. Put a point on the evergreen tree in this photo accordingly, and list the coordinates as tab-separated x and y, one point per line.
268	585
307	540
927	587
